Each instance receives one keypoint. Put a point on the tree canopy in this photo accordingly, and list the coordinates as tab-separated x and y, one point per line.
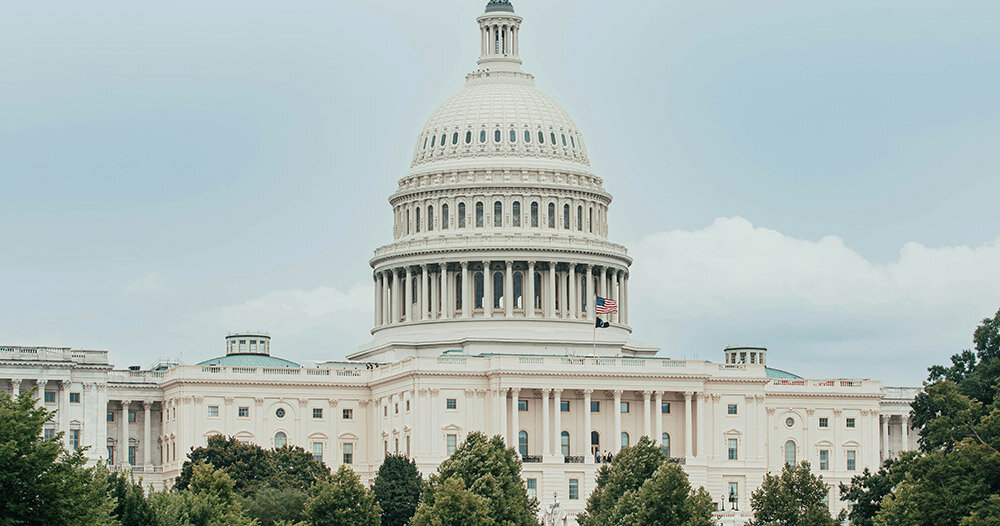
397	489
454	506
210	500
796	497
342	500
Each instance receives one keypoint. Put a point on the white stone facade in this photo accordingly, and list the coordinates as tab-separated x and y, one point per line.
484	320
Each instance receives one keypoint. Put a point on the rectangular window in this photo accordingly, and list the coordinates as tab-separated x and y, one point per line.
451	443
665	408
111	416
213	410
396	409
824	421
111	455
852	462
733	445
624	407
317	412
564	406
452	403
574	489
318	451
731	409
48	433
131	455
348	414
850	422
522	405
532	486
734	493
824	459
244	412
348	453
407	406
74	438
131	415
74	398
50	397
595	407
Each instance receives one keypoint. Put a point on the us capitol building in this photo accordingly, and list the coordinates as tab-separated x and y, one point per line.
484	320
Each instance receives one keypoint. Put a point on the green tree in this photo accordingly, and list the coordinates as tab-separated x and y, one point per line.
342	501
40	482
397	489
131	506
209	501
294	467
271	506
632	467
454	506
491	470
664	498
867	490
796	497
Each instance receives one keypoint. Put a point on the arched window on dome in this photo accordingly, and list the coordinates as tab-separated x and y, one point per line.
461	215
534	215
444	138
444	216
496	136
564	443
515	213
551	136
579	218
566	217
564	139
468	137
497	213
789	453
425	143
280	440
433	140
572	142
418	219
527	136
552	215
454	138
482	136
458	292
430	218
478	289
479	214
513	136
498	298
518	288
541	138
407	221
590	219
538	290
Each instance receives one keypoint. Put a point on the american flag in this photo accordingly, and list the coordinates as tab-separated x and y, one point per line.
606	306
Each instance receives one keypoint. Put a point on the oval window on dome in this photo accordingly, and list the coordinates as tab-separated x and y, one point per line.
425	143
496	136
572	142
482	136
444	138
513	136
551	136
527	136
468	137
541	138
454	138
564	139
433	139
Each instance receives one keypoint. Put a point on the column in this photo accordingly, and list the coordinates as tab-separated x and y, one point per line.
546	424
123	440
423	293
435	298
623	304
394	294
646	396
588	454
515	424
590	292
488	292
574	307
529	304
40	395
15	387
614	294
557	406
331	452
762	427
885	437
378	301
508	290
618	420
147	433
551	291
101	438
904	426
701	425
688	438
445	297
602	283
715	437
658	417
408	300
466	287
386	300
64	413
836	453
563	296
501	409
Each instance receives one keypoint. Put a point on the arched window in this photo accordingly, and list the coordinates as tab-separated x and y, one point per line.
551	135
444	138
479	290
433	140
624	439
538	290
425	143
590	220
541	138
444	216
527	136
595	442
479	214
522	443
461	215
418	219
407	221
498	214
515	213
454	138
468	137
566	217
564	443
552	215
496	136
579	218
534	215
583	292
789	453
498	290
430	218
564	139
518	287
482	136
458	291
665	444
572	142
513	136
280	439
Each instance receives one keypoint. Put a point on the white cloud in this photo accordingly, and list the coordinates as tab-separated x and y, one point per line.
294	312
149	284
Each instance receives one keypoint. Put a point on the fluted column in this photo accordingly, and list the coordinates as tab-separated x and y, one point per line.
614	294
557	406
386	301
378	302
64	413
501	410
552	291
602	283
563	296
408	286
529	304
590	292
487	291
618	420
658	417
646	413
546	424
147	434
701	425
904	426
624	305
445	297
515	423
574	307
688	435
123	440
424	307
40	395
433	293
885	437
508	290
466	287
587	426
397	300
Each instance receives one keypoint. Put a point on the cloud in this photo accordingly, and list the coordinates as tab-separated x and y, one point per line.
294	312
149	284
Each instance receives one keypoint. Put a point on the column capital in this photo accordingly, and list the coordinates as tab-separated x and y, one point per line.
422	391
553	264
647	394
546	391
423	267
409	271
515	391
838	412
749	397
229	401
588	392
509	263
332	403
41	382
716	397
688	395
435	392
124	404
443	265
531	263
147	405
618	393
590	268
464	264
258	401
557	392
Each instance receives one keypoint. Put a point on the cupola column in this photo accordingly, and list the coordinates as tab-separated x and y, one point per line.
529	302
378	301
445	297
487	290
423	292
466	286
624	303
386	299
508	290
574	307
614	293
434	293
551	296
590	291
409	294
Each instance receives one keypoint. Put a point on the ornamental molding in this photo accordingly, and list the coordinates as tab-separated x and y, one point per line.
332	403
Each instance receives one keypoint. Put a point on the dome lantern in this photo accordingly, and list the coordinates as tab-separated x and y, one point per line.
499	37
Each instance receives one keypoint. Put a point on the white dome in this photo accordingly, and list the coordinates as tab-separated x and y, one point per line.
505	106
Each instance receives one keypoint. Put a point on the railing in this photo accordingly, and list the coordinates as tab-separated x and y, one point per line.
673	363
527	360
453	361
280	370
317	372
576	459
572	361
633	363
677	460
531	459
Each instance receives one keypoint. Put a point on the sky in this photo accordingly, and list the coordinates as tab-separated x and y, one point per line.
818	178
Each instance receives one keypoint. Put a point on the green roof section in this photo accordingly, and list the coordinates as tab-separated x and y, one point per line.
778	374
250	360
499	5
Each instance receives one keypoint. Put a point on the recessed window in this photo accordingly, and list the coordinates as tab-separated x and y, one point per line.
111	416
461	215
574	489
513	136
213	410
552	215
482	136
534	215
74	438
425	143
347	414
407	406
850	422
595	406
541	138
385	410
531	484
625	441
522	405
243	412
50	397
789	422
731	409
564	139
515	213
444	216
564	406
317	412
553	137
433	141
468	137
624	407
572	142
454	138
496	136
348	453
527	136
665	444
789	453
48	433
498	214
566	217
131	416
852	460
824	459
74	398
396	410
522	443
451	444
451	404
824	422
280	440
665	408
318	451
444	137
564	443
280	412
479	214
733	445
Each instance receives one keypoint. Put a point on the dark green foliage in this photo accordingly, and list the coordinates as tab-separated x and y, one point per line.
794	498
342	501
40	482
868	489
627	472
270	506
131	506
252	467
665	498
397	489
209	501
491	470
454	506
